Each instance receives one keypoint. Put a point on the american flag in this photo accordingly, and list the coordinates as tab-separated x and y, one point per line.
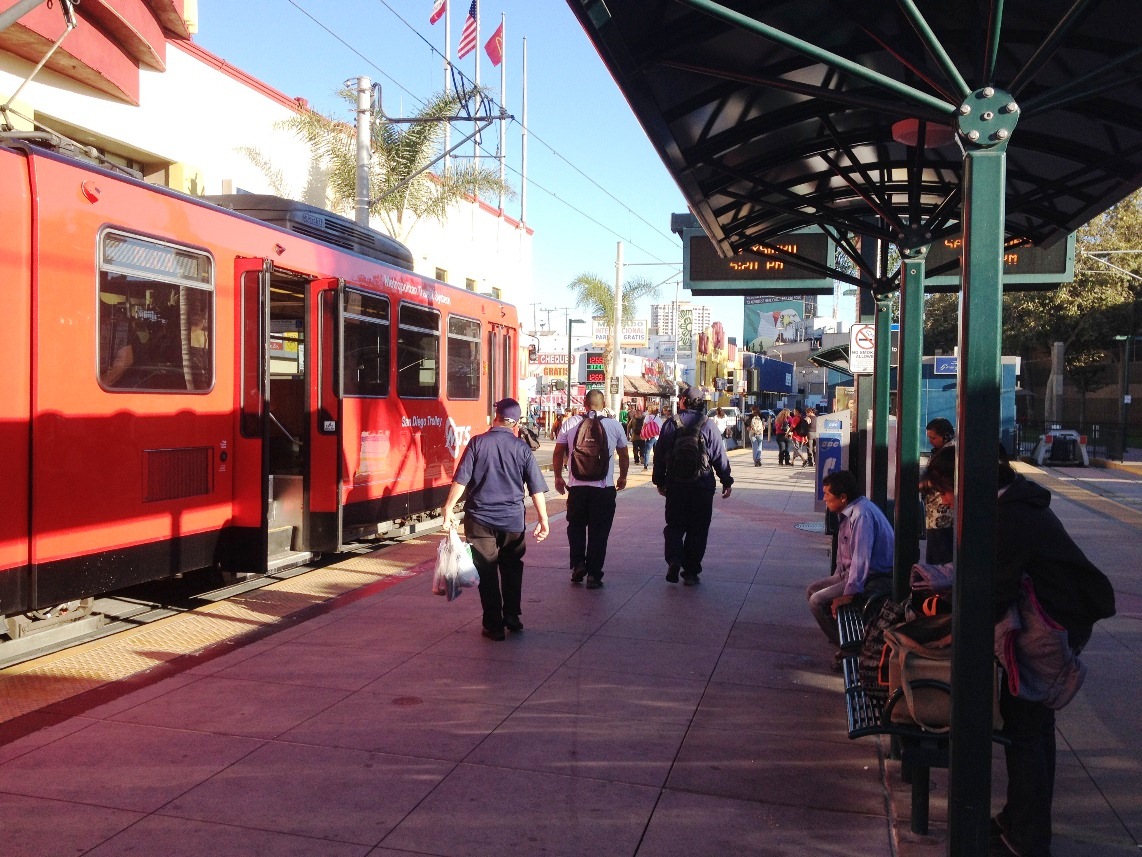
438	9
468	36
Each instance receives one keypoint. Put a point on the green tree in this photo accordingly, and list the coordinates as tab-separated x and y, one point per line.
1085	314
402	191
941	323
597	297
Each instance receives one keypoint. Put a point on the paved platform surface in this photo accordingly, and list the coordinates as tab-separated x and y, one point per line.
640	719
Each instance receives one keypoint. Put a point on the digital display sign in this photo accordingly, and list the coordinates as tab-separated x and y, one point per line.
765	268
596	369
1022	265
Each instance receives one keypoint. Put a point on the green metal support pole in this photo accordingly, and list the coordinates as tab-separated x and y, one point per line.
866	314
881	389
986	120
909	522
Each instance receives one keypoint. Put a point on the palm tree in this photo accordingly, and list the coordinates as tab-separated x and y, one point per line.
401	189
597	297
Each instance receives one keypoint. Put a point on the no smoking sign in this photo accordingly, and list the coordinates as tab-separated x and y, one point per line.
862	349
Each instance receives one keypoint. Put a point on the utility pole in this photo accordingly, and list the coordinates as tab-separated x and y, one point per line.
616	392
364	148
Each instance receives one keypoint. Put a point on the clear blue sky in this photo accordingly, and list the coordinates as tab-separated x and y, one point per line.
593	177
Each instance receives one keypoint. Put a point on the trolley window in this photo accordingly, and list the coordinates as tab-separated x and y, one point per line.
366	369
418	352
156	316
508	374
463	358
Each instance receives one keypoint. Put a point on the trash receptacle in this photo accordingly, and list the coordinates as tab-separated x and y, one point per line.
1063	451
1061	446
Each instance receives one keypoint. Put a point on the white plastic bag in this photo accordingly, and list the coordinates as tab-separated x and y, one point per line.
466	574
455	570
441	574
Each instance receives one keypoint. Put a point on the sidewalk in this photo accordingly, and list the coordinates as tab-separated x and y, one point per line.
640	719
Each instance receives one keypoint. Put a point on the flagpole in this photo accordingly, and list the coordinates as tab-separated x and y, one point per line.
503	104
523	142
447	80
476	52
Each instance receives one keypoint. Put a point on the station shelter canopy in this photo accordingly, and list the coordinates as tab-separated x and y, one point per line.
773	115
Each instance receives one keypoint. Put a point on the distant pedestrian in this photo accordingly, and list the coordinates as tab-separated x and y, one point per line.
651	428
939	519
781	435
755	429
802	432
591	496
634	432
498	469
689	486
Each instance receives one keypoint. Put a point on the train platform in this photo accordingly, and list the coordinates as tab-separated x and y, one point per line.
355	713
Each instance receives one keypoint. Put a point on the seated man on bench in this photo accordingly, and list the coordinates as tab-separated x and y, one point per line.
864	548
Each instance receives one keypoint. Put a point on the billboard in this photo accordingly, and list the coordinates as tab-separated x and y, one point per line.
634	334
686	335
771	322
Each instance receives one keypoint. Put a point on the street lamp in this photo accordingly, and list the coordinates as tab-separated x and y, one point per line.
570	322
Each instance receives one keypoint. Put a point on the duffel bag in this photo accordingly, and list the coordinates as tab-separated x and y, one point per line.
918	658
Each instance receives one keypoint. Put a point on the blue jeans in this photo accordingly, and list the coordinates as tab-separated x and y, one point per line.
756	442
648	452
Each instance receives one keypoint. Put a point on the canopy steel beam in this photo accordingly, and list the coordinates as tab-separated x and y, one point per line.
737	19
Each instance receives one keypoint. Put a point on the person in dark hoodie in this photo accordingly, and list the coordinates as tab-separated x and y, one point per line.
1032	543
689	501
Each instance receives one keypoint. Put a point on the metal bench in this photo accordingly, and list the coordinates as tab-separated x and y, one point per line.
920	750
850	626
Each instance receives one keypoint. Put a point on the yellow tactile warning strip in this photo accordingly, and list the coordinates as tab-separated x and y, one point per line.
51	679
1074	491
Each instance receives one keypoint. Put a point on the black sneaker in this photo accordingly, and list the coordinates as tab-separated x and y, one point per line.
594	583
672	573
512	623
494	633
690	580
578	573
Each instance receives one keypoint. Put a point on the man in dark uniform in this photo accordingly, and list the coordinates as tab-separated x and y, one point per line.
689	504
495	469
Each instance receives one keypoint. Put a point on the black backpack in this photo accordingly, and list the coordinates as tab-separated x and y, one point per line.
590	453
689	457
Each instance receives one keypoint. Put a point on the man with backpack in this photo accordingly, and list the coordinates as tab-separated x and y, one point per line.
690	453
588	444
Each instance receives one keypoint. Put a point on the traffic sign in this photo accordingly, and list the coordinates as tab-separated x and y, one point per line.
614	386
862	349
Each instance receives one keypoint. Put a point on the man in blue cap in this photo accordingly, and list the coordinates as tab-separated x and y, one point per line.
688	486
496	469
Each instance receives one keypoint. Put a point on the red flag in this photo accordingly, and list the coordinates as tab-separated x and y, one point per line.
495	46
468	36
438	8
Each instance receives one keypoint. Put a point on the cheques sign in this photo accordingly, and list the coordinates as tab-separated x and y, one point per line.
633	334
